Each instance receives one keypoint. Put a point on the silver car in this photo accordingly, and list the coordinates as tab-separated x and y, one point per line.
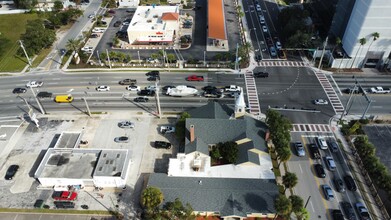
126	124
300	149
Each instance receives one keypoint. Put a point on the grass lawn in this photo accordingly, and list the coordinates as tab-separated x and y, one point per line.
12	26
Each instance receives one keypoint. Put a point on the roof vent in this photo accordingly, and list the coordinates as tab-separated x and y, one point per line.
200	182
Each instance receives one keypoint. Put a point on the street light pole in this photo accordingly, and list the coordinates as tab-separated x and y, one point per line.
36	99
138	54
204	58
324	48
88	108
158	99
309	197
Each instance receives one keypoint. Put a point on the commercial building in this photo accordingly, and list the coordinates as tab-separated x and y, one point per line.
128	3
67	165
365	17
154	25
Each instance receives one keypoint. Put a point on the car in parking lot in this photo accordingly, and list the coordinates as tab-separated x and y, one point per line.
162	144
349	182
19	90
44	94
320	170
299	149
330	163
11	171
264	29
333	146
273	52
362	211
102	88
339	186
322	144
320	102
34	84
126	124
133	88
328	192
122	139
141	99
39	204
348	211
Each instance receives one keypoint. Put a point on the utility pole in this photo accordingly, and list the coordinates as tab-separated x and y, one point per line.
25	53
237	58
97	54
138	54
38	102
204	58
324	48
159	111
308	200
108	57
88	108
168	64
348	103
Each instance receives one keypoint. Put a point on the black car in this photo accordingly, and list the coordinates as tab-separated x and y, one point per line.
320	170
146	92
261	74
11	172
314	151
38	204
153	78
64	204
337	214
209	88
19	90
258	58
213	94
141	99
333	146
162	144
153	73
339	186
117	23
44	95
350	184
348	210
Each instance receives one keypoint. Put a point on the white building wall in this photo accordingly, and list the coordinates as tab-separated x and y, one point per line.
368	16
104	181
54	182
128	3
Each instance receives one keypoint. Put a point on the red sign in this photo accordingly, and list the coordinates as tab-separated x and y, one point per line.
159	32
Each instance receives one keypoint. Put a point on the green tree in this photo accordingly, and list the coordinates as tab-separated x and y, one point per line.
283	206
151	198
284	154
303	214
299	39
177	210
37	37
58	6
180	129
297	203
73	44
289	180
170	58
375	36
229	151
25	4
362	42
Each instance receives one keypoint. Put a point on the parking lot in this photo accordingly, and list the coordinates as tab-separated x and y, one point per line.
30	143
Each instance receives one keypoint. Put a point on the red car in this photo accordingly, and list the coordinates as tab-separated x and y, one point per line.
64	195
195	78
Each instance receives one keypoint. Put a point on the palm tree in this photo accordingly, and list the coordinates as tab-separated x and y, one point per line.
151	198
284	154
362	42
73	44
375	36
289	180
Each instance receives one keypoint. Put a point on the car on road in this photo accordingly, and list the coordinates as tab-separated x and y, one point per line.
195	78
362	211
262	19
320	102
339	186
63	52
44	94
333	146
278	45
258	7
348	211
102	88
128	82
349	182
162	144
328	192
320	170
34	84
273	52
330	163
39	204
261	74
153	78
151	88
126	124
299	149
117	23
19	90
337	214
141	99
146	92
11	171
122	139
91	16
264	29
314	150
322	144
153	73
258	58
209	88
133	88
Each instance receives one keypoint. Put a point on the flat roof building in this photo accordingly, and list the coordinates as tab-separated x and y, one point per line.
154	25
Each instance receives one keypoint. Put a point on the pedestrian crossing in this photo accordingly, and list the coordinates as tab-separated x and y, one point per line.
322	128
330	92
252	94
281	63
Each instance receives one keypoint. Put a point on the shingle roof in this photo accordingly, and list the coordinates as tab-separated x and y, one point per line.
170	16
213	110
197	145
244	155
216	20
227	196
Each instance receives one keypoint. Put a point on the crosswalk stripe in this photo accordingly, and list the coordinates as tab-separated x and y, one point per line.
322	128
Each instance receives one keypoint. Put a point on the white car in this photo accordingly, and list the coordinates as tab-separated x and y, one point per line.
102	88
167	129
91	16
264	28
126	124
320	102
278	45
322	144
133	88
151	88
34	84
98	30
258	7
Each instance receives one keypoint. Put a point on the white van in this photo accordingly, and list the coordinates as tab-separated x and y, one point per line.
262	19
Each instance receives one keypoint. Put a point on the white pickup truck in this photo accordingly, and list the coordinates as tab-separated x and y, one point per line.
232	88
379	90
167	129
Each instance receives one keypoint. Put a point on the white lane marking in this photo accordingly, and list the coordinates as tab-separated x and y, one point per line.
52	83
56	79
70	90
312	206
87	77
301	170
